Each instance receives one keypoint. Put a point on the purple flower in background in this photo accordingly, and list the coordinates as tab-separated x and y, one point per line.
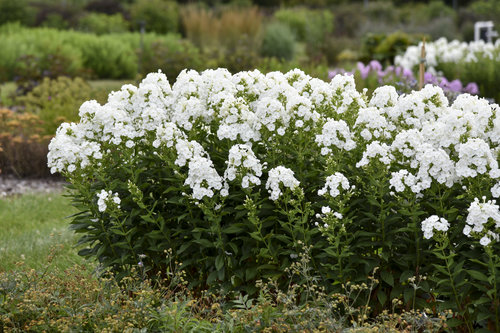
376	66
407	74
430	78
471	88
336	71
363	70
405	80
455	85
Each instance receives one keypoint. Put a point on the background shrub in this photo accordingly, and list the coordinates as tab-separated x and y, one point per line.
56	101
24	147
278	41
309	26
171	55
159	15
384	47
99	23
14	11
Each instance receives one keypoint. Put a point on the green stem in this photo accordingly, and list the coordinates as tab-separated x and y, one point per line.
455	294
495	289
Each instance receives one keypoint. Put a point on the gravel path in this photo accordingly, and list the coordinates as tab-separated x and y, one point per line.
11	185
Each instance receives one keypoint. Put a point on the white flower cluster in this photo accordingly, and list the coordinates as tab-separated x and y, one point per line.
480	213
106	198
242	161
432	223
203	178
423	139
418	139
441	51
333	184
335	133
277	176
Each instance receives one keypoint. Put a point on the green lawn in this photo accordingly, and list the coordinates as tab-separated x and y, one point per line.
34	225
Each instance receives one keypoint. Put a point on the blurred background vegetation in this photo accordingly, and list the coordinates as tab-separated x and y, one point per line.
98	45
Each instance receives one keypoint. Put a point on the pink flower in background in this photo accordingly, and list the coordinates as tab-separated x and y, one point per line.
471	88
363	70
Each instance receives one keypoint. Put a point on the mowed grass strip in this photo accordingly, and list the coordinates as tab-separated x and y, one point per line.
34	227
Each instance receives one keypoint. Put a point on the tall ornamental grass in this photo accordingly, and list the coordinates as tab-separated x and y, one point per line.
237	174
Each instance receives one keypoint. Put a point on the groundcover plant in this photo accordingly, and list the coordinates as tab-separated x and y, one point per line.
237	174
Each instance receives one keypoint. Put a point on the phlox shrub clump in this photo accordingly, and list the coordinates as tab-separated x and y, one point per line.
236	174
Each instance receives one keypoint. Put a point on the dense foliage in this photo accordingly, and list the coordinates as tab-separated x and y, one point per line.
237	174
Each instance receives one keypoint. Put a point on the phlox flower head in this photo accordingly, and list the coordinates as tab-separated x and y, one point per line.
107	198
479	216
333	185
432	223
280	176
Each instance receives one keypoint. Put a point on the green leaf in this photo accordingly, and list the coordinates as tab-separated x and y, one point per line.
235	228
219	262
478	275
204	243
382	297
250	273
387	278
183	248
405	276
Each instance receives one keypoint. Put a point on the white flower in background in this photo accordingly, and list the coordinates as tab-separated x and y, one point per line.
106	198
432	223
242	161
442	51
333	184
280	176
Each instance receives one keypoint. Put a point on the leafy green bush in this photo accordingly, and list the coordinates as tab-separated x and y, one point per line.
237	174
14	11
278	41
56	101
308	25
158	15
385	47
102	23
171	55
106	56
110	56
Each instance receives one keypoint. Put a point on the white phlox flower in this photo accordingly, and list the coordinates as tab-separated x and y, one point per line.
333	185
187	150
242	161
69	150
280	176
167	133
480	213
475	157
105	198
376	150
203	178
432	223
335	133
